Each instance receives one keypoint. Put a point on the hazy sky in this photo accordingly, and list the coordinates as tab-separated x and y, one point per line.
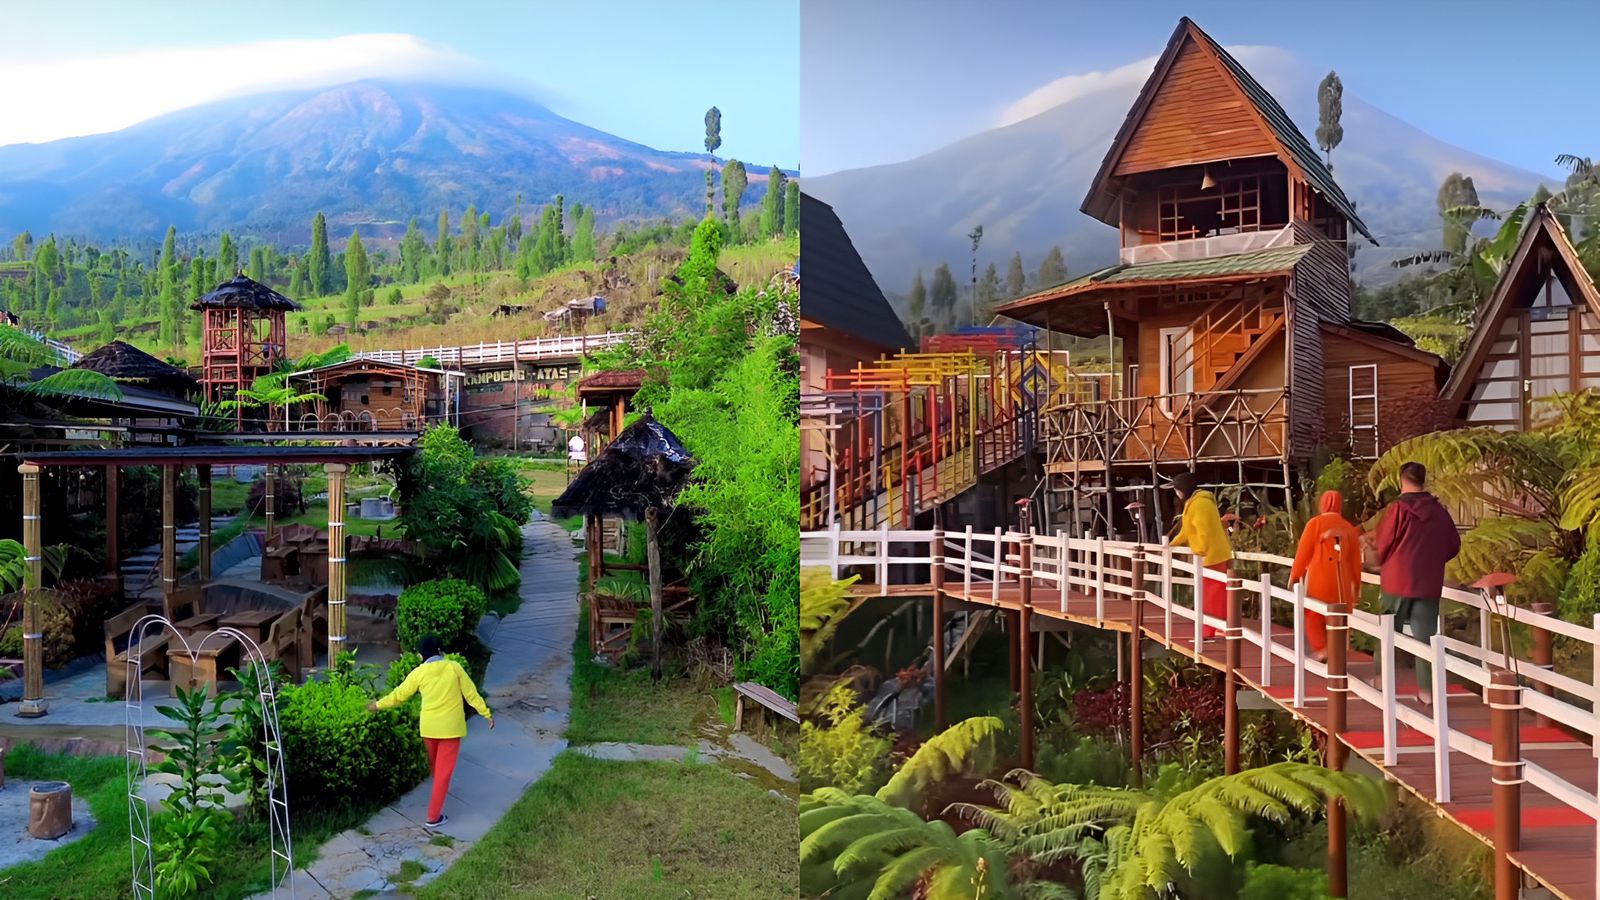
640	69
892	79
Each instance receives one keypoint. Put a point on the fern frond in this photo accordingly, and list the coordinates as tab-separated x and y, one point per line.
966	746
70	383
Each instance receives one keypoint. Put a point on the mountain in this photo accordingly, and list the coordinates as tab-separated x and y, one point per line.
1024	183
369	153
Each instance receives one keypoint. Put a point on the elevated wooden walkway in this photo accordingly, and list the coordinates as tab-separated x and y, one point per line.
1542	824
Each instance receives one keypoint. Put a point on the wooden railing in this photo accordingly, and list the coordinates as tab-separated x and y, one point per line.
487	353
1085	577
1211	425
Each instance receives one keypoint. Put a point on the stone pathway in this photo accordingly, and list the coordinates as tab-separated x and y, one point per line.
735	748
528	686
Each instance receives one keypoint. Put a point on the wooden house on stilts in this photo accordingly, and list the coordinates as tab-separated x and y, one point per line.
1234	353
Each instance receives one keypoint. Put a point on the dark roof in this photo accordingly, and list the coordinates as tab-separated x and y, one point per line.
1099	201
242	292
619	379
840	293
124	362
1381	329
644	468
212	455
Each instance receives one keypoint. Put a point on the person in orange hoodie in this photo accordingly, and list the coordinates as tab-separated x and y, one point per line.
1329	559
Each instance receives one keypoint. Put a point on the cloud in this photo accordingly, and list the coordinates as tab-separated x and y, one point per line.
1129	78
105	93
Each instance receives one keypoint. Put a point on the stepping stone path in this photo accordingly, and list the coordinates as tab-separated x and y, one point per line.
528	686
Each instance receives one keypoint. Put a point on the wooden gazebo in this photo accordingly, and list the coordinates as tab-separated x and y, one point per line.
245	336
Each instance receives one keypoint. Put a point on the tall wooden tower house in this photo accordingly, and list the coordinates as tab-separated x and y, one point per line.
245	336
1233	351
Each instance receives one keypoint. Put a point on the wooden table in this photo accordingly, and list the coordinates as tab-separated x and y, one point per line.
200	622
206	666
255	622
278	563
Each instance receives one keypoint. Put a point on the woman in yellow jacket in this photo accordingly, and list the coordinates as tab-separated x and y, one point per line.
445	686
1200	529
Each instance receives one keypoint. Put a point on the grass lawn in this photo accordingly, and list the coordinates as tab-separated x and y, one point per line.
545	485
97	865
592	828
611	704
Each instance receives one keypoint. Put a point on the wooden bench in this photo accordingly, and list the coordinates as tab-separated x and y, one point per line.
283	643
121	647
765	698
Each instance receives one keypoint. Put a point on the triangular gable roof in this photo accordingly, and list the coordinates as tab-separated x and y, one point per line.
1293	148
840	292
1542	228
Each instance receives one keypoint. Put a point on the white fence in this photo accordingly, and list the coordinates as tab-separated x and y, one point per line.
487	353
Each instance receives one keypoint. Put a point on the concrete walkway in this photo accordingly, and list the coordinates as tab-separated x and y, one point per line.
528	686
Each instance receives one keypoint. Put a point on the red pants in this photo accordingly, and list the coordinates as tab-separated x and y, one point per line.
1214	598
442	753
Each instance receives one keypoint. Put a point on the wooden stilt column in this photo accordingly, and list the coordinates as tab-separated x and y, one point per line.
1024	649
113	518
1013	618
33	705
271	500
1543	655
1338	627
337	584
619	411
1233	635
658	615
203	473
169	532
1505	708
937	577
1136	672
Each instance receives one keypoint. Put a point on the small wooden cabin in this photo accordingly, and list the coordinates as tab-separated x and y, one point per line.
369	395
1228	310
1539	334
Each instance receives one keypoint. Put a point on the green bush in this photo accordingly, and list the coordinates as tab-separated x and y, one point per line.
841	748
448	608
11	643
336	750
400	668
1267	882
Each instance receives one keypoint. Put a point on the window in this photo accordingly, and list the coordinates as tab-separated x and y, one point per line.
1227	207
1177	368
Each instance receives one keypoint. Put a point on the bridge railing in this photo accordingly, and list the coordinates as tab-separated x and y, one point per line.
1081	576
487	353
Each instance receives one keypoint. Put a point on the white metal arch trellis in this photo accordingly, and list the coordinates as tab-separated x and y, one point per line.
280	844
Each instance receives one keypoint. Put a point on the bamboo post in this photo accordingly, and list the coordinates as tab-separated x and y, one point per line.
1136	671
113	519
1543	655
169	532
33	704
1234	636
652	524
271	501
203	472
1024	649
937	578
1505	707
1338	629
336	561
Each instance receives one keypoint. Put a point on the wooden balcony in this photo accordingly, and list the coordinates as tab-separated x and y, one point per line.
1207	247
1210	426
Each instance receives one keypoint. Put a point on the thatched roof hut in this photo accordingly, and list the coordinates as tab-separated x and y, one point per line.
243	292
644	468
127	364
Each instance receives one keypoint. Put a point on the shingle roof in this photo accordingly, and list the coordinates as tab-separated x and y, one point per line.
242	291
1295	145
125	362
838	292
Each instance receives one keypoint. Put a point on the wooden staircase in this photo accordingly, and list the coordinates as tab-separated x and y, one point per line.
1222	336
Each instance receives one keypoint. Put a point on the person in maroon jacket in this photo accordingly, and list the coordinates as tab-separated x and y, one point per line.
1416	539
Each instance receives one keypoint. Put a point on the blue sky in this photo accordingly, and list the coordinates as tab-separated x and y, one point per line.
891	79
640	69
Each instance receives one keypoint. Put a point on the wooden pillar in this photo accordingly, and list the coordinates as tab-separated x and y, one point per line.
1024	651
652	525
33	704
169	532
337	587
113	520
1338	628
619	411
937	577
1233	635
1013	618
271	501
203	472
1543	654
1136	672
1505	709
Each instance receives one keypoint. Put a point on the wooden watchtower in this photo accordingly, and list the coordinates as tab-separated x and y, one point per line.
245	336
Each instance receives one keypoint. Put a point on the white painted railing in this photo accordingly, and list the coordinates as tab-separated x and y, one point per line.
1078	576
488	353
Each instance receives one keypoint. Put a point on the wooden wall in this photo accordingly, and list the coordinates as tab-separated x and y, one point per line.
1197	115
1407	389
1320	292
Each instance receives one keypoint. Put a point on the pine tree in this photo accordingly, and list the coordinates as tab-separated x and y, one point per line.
297	286
917	305
1016	278
942	296
168	270
988	293
321	271
1457	193
713	141
1053	270
357	275
258	265
197	278
791	209
441	247
227	257
470	238
559	238
583	240
1330	107
412	249
772	203
734	181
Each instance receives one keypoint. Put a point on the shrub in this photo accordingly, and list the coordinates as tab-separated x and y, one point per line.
1267	882
844	750
11	643
395	296
448	608
335	750
409	660
88	604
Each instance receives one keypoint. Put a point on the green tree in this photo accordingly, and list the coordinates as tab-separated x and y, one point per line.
412	251
917	306
441	246
258	264
1457	197
942	297
772	203
321	265
791	209
1016	278
1330	107
988	293
171	334
197	278
358	275
583	249
713	141
21	244
1053	270
734	181
227	257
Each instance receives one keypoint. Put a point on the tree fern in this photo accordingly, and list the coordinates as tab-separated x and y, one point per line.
967	746
823	601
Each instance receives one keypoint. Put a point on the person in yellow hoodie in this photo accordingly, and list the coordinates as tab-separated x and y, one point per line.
445	686
1200	529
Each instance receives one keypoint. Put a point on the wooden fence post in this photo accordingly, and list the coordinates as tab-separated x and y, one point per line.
1136	671
1338	629
1233	635
1024	649
1505	708
936	573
